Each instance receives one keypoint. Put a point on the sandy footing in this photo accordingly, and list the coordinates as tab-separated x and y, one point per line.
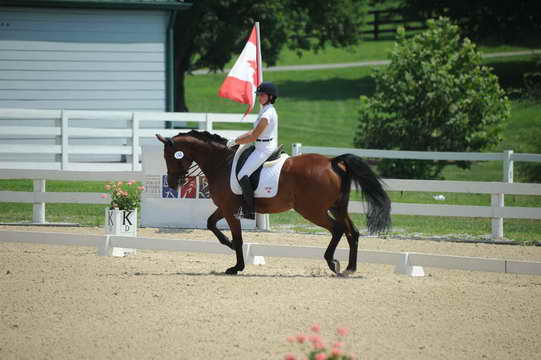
64	302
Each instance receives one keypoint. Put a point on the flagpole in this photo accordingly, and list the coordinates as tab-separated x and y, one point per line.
261	220
260	65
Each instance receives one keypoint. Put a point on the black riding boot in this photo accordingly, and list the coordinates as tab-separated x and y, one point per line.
247	198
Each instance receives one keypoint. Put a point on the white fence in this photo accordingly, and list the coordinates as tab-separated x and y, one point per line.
67	127
496	211
27	135
408	263
508	157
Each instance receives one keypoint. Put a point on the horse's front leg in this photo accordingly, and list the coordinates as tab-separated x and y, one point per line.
211	225
236	232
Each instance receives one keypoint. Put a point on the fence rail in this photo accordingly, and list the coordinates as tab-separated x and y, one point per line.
24	156
392	17
128	127
404	262
496	211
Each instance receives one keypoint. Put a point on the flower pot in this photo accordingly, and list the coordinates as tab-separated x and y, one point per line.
121	222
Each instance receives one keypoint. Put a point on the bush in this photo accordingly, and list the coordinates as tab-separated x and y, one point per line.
433	96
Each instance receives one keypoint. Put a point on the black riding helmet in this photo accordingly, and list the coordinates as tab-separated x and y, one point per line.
269	89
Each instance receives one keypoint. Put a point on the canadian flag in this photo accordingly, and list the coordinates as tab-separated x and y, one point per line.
246	75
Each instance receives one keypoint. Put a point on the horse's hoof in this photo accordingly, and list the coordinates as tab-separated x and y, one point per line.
231	271
334	265
346	273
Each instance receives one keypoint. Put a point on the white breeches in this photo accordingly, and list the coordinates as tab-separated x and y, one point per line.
255	160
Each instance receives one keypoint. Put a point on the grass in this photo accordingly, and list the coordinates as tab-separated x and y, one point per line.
319	108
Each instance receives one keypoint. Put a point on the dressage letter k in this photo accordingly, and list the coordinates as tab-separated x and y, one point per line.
110	218
125	217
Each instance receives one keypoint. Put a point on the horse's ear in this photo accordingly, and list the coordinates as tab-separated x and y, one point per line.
166	141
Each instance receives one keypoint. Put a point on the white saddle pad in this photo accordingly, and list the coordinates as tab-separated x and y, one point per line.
268	180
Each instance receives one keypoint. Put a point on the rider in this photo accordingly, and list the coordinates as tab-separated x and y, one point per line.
264	134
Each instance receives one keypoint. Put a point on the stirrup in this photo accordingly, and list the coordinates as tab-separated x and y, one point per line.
241	215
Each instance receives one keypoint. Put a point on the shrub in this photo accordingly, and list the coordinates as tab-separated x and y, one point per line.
433	96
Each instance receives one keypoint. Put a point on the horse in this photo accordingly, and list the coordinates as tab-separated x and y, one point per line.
315	186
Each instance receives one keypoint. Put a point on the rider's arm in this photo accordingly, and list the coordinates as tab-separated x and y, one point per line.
253	134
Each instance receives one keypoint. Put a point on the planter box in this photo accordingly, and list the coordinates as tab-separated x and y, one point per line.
121	222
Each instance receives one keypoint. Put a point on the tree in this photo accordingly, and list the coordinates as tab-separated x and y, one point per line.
433	96
510	21
212	31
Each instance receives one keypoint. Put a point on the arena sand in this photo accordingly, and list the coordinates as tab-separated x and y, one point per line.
64	302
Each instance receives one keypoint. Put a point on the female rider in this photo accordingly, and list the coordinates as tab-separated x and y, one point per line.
264	134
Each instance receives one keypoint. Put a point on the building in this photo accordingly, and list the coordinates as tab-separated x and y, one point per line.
87	54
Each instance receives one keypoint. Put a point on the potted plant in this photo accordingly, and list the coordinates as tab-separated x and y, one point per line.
121	215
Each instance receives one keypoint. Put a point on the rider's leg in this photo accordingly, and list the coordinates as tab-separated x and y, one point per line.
256	159
248	211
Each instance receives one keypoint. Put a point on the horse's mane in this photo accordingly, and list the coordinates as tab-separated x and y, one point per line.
205	136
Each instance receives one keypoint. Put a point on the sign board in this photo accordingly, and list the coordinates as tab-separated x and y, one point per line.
187	207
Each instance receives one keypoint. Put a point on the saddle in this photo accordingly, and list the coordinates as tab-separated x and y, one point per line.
254	178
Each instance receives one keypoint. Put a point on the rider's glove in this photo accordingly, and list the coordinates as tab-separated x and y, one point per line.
231	143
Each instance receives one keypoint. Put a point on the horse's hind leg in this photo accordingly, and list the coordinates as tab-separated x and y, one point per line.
336	229
211	225
352	235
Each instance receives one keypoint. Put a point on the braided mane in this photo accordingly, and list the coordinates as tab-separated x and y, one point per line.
205	136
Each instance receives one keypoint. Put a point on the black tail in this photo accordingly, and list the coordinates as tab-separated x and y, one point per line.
378	214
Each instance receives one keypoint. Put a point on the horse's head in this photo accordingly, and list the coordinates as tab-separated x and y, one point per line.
178	162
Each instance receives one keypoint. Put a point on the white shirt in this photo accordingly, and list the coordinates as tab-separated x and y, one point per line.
271	131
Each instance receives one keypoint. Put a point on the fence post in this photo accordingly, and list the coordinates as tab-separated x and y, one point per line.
498	200
296	149
207	125
508	166
38	209
376	25
262	221
134	142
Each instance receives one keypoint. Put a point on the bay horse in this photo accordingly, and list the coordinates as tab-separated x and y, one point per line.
315	186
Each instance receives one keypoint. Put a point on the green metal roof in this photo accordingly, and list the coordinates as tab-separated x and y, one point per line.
117	4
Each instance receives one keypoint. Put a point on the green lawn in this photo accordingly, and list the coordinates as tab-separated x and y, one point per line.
319	108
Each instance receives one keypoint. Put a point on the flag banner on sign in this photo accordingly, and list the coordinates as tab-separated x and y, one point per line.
188	190
204	192
168	192
245	76
194	187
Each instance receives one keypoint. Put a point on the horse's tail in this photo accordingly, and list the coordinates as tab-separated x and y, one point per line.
378	212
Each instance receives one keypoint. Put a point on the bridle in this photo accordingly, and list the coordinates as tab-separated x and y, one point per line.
192	171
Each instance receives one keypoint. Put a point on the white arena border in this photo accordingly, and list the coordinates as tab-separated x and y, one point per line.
409	263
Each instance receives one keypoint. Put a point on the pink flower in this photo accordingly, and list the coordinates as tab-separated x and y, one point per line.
289	357
131	182
103	196
141	188
342	331
119	183
316	328
107	187
321	356
336	352
301	338
291	339
338	344
318	345
314	338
